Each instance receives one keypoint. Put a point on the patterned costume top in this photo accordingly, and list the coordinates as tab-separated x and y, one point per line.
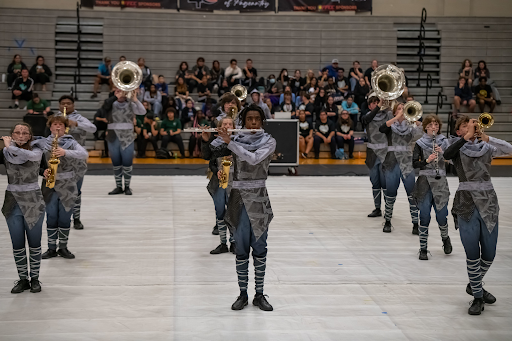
214	150
377	146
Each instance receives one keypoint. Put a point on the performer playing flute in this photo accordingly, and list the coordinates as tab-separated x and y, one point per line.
23	204
215	150
431	189
475	206
249	212
120	112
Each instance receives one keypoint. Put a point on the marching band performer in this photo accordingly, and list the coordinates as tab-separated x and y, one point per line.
475	206
249	212
120	139
61	199
79	126
398	164
215	150
431	189
23	206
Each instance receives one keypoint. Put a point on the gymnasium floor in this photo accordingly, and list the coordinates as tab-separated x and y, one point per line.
143	271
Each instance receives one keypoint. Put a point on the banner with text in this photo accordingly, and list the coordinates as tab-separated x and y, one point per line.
324	5
167	4
228	5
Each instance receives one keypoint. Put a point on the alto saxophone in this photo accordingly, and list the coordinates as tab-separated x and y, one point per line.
224	178
53	163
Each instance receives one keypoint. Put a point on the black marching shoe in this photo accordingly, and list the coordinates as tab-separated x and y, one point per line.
127	190
222	248
387	227
49	254
64	253
215	231
77	224
375	213
118	190
447	247
476	307
488	297
232	248
240	303
415	229
261	302
423	255
35	285
20	286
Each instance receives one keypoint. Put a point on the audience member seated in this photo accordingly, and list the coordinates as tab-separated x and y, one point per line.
170	130
181	90
14	70
308	107
37	111
360	92
274	87
147	77
148	133
22	89
466	71
287	88
103	76
270	106
101	122
320	101
324	76
38	106
309	76
147	106
324	134
463	96
331	109
171	103
40	72
368	73
257	99
283	78
343	83
305	135
216	75
482	70
185	73
200	77
251	76
233	73
223	88
345	134
297	82
312	88
188	112
209	108
331	89
333	69
355	74
484	95
154	98
163	89
288	105
352	109
194	142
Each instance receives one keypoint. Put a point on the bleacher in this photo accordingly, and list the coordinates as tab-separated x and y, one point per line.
273	42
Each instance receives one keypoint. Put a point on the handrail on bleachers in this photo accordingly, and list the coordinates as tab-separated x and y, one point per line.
79	45
421	49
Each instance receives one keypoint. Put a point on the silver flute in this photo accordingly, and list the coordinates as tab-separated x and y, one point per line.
434	145
215	130
15	141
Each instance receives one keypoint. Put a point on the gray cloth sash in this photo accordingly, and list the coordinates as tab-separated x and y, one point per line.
65	175
377	145
23	188
432	172
475	186
120	126
247	184
398	149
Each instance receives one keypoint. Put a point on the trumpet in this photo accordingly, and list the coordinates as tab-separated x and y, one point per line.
215	130
126	76
53	163
224	178
413	111
239	91
485	121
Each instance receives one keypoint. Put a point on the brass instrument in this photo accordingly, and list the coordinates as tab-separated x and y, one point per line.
388	83
413	111
485	121
224	178
126	76
239	91
53	163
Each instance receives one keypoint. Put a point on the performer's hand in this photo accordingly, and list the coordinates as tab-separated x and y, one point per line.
7	140
223	133
118	93
134	95
73	123
472	129
439	149
432	157
205	135
219	174
46	173
60	152
418	123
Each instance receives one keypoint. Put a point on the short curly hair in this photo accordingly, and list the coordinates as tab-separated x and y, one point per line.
252	107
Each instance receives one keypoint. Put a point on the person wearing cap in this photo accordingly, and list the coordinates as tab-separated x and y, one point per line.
256	99
333	68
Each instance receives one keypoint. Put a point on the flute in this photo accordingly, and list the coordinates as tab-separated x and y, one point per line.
15	141
215	130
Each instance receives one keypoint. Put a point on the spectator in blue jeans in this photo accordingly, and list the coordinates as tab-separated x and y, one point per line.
463	96
324	133
352	109
345	133
154	98
103	76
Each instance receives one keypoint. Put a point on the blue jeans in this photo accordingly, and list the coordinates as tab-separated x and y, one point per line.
58	222
121	157
425	208
157	108
353	83
393	178
220	200
378	180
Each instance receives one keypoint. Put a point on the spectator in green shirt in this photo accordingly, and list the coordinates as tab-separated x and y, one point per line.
147	132
170	130
38	105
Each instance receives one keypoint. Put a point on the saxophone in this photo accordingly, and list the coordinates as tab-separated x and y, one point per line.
53	163
224	178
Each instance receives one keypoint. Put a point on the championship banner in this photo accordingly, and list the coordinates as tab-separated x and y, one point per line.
228	5
167	4
325	5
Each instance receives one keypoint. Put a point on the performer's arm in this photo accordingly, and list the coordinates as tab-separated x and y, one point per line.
453	150
107	104
385	129
255	157
85	124
206	151
19	156
138	108
43	165
366	119
417	157
502	147
78	152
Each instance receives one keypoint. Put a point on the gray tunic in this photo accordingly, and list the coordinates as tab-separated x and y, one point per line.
377	146
22	168
120	117
399	147
249	189
79	133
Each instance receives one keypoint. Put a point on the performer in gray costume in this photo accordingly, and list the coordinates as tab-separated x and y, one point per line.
120	137
23	204
376	151
61	199
475	206
215	149
431	189
398	163
249	212
79	126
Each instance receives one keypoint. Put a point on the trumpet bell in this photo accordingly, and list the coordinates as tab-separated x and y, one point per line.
485	120
126	76
388	82
239	91
413	111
